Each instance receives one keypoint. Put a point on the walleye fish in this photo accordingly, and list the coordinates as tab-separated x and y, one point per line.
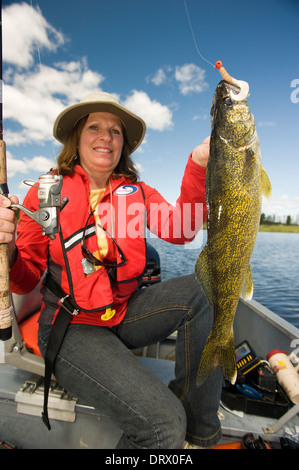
235	181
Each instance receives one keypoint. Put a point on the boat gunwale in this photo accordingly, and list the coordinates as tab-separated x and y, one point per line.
280	323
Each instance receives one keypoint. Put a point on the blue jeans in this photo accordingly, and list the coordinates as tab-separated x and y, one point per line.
96	365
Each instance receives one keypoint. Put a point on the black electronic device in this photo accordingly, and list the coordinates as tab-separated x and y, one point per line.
246	358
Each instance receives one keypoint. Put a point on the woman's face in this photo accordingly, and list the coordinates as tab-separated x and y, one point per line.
100	144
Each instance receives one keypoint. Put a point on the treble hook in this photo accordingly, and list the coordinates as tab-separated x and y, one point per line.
243	86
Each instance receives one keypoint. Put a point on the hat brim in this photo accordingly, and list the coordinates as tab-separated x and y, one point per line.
134	126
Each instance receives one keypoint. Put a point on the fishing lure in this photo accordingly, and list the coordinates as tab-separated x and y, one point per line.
240	84
243	86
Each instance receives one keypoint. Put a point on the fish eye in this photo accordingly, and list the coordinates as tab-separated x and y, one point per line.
228	102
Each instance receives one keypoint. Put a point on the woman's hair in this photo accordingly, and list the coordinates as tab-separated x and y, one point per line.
69	156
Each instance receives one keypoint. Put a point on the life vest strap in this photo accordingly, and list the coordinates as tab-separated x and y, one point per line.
58	330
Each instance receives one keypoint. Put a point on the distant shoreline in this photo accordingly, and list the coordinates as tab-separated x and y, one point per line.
279	228
273	228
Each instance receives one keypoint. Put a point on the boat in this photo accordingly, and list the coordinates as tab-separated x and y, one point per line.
76	425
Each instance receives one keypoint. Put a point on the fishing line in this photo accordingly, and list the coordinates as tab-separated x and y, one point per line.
242	86
194	40
37	43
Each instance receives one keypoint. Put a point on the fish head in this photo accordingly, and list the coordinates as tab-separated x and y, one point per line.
230	118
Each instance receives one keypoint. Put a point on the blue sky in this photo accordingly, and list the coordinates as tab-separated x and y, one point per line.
56	52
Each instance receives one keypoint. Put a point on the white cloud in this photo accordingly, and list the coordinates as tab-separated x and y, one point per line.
24	31
14	165
34	100
39	163
159	77
155	115
191	79
281	205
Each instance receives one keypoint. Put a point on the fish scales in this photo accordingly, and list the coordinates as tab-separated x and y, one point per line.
235	180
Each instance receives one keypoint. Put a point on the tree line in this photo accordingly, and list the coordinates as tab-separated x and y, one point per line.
273	219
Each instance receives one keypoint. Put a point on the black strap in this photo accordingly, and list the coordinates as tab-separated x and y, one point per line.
57	334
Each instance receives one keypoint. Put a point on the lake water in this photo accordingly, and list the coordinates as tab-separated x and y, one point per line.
274	264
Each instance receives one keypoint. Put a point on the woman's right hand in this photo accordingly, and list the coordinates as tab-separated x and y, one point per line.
8	224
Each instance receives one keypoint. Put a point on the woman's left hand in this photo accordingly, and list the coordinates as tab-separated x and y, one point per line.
201	153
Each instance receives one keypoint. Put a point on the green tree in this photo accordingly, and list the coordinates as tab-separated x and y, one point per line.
263	218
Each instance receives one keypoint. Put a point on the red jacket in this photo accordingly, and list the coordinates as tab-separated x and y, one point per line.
135	206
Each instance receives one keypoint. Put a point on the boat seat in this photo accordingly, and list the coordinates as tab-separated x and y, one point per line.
29	332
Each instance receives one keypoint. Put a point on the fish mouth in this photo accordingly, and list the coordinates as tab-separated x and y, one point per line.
222	99
239	91
234	88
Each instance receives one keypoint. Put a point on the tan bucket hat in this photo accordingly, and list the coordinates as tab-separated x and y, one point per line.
100	102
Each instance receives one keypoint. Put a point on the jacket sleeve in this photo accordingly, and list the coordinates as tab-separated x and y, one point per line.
32	250
178	223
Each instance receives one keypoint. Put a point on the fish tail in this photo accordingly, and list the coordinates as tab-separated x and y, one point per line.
217	356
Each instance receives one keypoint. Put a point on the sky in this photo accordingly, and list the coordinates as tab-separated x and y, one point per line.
143	51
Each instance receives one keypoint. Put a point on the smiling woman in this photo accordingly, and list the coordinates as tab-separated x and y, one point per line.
99	138
100	147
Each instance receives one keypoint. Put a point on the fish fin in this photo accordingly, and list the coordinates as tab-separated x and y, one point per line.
247	287
266	185
202	273
217	356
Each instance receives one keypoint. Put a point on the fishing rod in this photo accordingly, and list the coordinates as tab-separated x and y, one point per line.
47	216
5	303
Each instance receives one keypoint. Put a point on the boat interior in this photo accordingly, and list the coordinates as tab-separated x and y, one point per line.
77	425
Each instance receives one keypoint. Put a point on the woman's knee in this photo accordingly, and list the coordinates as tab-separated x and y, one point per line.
175	430
165	430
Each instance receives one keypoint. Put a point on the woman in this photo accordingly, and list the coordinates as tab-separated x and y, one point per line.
97	259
